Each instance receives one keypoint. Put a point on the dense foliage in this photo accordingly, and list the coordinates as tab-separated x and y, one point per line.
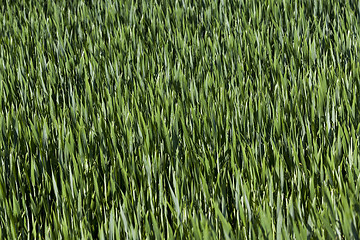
179	119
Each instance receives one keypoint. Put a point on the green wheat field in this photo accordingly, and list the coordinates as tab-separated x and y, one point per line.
179	119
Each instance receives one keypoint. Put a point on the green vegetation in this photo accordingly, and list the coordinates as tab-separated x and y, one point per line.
229	119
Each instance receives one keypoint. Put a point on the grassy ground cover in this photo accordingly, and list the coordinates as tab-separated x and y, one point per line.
152	119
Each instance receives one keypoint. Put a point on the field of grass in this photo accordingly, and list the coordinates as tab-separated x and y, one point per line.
161	119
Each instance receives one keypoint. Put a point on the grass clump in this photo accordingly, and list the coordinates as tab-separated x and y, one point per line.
179	119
